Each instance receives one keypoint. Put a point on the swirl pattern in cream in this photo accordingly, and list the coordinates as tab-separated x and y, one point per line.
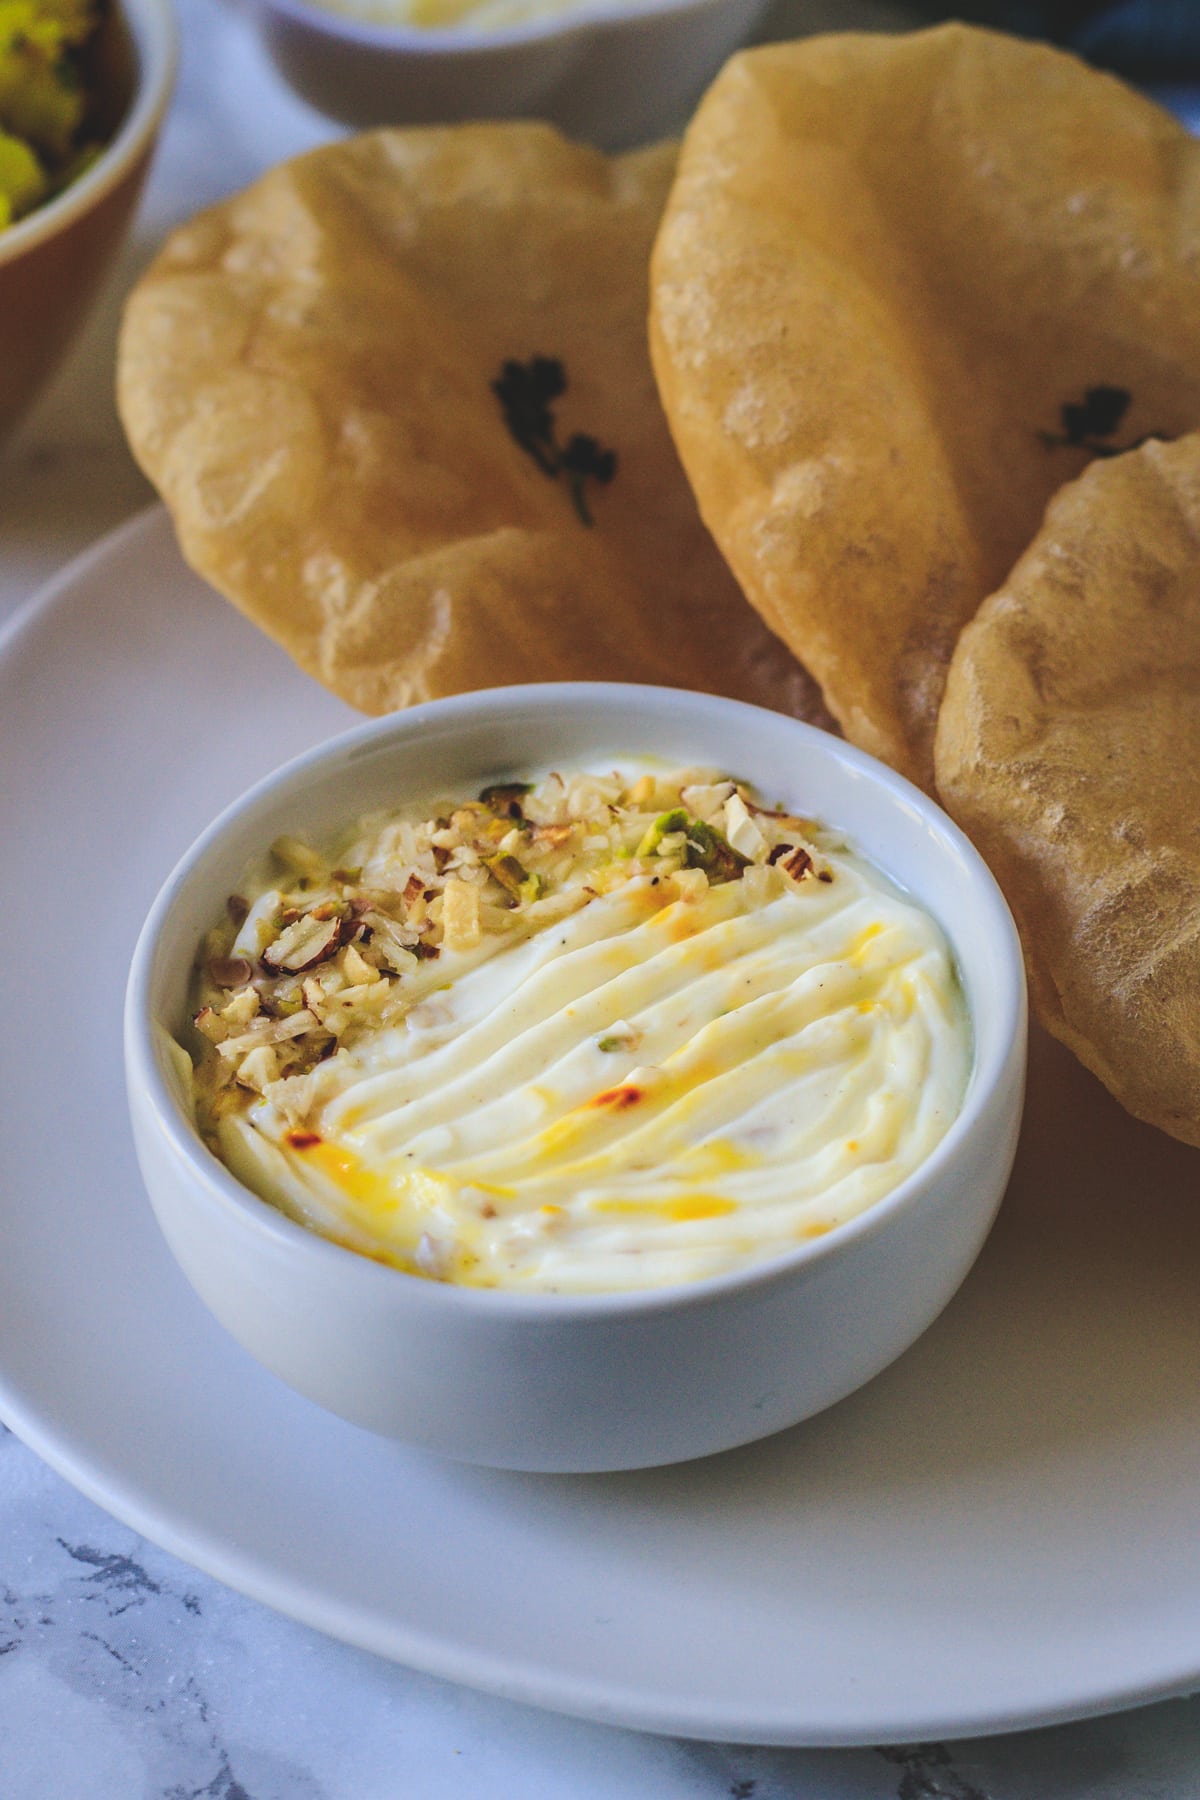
649	1092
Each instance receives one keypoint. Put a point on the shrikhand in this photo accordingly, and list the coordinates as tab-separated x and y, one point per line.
584	1034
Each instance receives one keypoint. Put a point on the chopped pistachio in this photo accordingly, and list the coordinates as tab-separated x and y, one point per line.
709	850
506	797
508	872
675	820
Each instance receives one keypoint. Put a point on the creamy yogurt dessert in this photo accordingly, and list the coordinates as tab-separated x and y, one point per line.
588	1033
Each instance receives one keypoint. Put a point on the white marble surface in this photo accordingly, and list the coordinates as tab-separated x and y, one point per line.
125	1675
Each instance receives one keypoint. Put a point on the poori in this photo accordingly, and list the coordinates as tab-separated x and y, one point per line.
904	288
1068	746
398	399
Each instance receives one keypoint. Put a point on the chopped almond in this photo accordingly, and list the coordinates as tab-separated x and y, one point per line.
356	970
210	1025
741	831
461	927
690	884
241	1009
259	1068
304	944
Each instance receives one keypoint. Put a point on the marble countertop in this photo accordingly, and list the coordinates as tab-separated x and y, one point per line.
124	1674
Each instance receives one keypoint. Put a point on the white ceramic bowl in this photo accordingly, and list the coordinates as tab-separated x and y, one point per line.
612	73
559	1382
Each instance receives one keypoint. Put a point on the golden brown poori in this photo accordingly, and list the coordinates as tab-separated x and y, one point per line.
398	399
904	288
1068	746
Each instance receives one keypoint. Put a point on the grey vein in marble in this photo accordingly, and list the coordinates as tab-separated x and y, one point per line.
125	1675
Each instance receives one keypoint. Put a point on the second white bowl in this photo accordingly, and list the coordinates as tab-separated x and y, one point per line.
613	73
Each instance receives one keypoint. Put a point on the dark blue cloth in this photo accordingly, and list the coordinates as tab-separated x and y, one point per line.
1157	39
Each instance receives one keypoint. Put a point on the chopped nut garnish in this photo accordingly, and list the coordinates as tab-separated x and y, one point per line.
241	1009
740	829
461	927
258	1068
267	1031
506	797
668	823
304	944
796	862
356	969
508	872
707	800
553	837
348	942
230	971
396	945
210	1026
690	884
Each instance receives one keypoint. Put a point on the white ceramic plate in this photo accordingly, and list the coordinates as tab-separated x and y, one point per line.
1000	1531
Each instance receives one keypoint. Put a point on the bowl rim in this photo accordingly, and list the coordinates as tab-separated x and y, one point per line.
155	33
417	40
152	1096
